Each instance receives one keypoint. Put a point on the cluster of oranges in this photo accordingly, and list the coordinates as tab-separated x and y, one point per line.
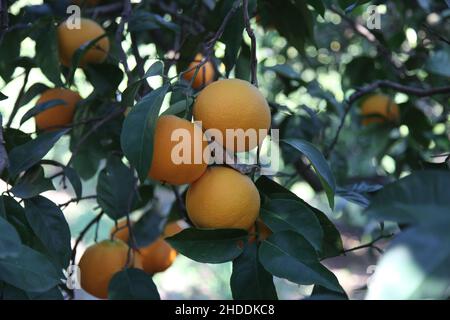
102	260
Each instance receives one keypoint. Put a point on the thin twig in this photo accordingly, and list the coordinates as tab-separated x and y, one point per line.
371	244
251	34
65	204
83	233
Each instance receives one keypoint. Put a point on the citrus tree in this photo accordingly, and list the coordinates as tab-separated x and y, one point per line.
349	98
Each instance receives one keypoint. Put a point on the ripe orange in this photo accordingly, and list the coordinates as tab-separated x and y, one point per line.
223	198
191	160
59	115
234	104
157	256
69	40
378	109
205	74
101	261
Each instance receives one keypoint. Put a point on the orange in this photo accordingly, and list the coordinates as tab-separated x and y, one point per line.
378	109
69	40
157	256
223	198
189	163
59	115
101	261
263	231
234	104
205	74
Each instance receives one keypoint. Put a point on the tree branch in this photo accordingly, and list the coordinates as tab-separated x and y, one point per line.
19	97
83	233
371	244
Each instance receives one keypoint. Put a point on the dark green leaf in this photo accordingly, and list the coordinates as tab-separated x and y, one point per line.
41	107
179	107
283	214
439	63
29	271
13	293
25	156
148	228
321	293
288	255
209	245
320	166
50	226
79	54
47	56
116	188
138	131
249	280
104	77
132	284
32	183
10	244
419	198
418	261
32	92
3	97
75	181
130	92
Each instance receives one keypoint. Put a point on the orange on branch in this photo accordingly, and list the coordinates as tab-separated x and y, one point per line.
157	256
178	151
223	198
70	39
60	115
237	105
378	109
101	261
205	74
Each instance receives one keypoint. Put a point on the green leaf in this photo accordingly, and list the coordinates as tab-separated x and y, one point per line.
148	228
318	6
288	255
321	293
285	71
116	188
3	97
15	214
12	293
209	245
283	15
415	266
104	77
32	183
29	271
25	156
419	198
32	92
249	280
50	226
332	242
319	164
79	54
350	5
10	244
74	180
439	63
179	107
141	20
132	284
47	56
232	35
41	107
130	92
283	214
138	131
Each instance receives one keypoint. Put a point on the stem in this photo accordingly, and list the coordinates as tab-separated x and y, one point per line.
371	244
251	34
83	233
